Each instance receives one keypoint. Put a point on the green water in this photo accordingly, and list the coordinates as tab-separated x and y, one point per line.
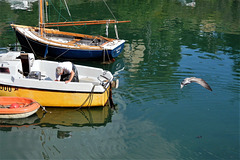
166	42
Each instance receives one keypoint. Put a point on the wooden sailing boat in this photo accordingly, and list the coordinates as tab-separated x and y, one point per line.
56	44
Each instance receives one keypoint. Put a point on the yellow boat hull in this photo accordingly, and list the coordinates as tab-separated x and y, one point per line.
58	98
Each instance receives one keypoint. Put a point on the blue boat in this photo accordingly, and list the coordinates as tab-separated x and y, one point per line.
52	43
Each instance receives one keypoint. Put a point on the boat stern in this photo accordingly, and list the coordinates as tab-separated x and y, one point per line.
114	48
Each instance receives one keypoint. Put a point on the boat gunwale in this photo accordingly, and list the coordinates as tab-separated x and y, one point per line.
83	86
64	45
51	90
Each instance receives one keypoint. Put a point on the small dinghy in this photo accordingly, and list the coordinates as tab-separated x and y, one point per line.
17	107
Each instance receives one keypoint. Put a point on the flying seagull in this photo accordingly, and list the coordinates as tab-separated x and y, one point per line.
197	80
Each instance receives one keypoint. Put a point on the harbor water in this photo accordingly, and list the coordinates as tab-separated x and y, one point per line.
166	42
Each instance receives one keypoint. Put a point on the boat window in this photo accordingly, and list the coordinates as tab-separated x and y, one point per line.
4	70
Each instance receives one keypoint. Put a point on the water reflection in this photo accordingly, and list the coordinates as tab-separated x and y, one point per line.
190	3
115	68
166	43
75	118
45	134
9	124
64	134
21	4
134	54
61	118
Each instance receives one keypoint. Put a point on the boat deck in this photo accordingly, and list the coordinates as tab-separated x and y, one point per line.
71	40
42	75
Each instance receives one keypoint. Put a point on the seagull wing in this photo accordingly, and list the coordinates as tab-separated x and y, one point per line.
185	82
201	82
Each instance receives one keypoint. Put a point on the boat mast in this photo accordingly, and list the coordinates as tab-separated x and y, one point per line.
41	22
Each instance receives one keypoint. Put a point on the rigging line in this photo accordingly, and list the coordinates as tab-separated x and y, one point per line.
63	53
109	9
60	11
116	31
49	12
46	10
30	46
67	8
57	10
69	13
60	15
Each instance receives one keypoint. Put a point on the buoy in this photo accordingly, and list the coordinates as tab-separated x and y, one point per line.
14	105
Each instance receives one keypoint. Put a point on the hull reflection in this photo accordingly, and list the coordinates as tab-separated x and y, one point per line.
61	118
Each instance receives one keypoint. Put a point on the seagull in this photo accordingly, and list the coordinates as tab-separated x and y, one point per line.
197	80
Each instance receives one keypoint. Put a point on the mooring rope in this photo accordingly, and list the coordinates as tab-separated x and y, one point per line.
89	120
90	96
109	93
108	55
104	56
43	108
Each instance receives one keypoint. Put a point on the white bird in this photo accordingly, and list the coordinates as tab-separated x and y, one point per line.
197	80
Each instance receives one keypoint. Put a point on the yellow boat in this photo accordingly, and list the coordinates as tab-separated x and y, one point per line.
35	79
